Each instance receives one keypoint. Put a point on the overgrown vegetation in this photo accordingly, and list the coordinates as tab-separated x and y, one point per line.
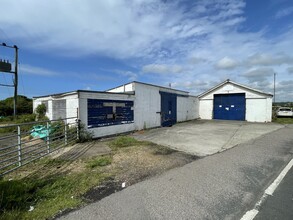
99	161
45	194
20	119
41	110
45	188
84	134
24	106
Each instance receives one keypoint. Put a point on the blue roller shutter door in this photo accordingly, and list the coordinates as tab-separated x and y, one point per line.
229	106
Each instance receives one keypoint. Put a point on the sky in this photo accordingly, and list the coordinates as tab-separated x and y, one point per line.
191	44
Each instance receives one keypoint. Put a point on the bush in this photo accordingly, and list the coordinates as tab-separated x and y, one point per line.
41	110
84	134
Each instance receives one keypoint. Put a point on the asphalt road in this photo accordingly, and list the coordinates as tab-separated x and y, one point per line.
221	186
280	205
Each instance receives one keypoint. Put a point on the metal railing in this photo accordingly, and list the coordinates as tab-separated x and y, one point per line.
21	144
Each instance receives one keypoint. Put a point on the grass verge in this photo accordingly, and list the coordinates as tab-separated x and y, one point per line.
48	187
283	120
123	141
47	195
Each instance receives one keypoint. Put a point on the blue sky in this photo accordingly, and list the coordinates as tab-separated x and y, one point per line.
96	45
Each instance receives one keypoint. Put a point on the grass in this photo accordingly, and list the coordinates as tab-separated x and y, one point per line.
126	141
99	162
54	185
48	194
283	120
123	141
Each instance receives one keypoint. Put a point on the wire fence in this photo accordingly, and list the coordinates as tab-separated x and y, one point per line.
21	144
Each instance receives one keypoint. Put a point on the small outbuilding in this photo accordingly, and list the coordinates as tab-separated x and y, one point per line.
232	101
129	107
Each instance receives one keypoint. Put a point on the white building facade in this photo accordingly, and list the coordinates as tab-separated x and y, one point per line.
233	101
133	106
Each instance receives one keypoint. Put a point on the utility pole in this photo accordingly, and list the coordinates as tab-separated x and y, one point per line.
274	88
15	81
6	67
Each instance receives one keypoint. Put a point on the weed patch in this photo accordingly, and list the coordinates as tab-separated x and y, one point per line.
99	162
123	141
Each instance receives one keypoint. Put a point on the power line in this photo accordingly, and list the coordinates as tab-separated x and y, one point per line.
6	84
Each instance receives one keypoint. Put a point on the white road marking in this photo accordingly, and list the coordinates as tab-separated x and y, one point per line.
270	190
250	215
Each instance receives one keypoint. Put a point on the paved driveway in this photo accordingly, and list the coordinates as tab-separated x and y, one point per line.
206	137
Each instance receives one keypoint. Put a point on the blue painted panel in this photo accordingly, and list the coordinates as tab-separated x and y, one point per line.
229	106
168	109
109	112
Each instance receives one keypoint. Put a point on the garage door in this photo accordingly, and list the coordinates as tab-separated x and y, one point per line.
168	109
229	106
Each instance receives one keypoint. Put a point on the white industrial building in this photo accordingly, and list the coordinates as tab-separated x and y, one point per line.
233	101
133	106
136	106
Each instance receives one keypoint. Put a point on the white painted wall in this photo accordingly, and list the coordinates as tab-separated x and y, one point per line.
124	88
147	107
206	109
71	105
187	108
258	106
38	101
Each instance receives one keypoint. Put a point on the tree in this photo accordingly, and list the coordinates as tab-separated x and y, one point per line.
24	106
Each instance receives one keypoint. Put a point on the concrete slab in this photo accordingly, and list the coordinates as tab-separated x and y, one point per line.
206	137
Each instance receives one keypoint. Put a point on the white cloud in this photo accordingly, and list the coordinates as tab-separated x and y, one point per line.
34	70
290	70
131	76
121	28
284	12
226	63
193	46
162	68
269	60
258	75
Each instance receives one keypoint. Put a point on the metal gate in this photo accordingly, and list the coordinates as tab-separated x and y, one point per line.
229	106
168	109
21	144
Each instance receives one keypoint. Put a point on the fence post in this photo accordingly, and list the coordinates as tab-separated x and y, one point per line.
19	145
65	133
48	138
77	129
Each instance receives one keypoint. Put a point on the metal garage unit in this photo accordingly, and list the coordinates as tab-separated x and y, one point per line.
232	101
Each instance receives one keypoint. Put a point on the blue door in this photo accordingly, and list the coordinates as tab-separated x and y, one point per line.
168	109
229	106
